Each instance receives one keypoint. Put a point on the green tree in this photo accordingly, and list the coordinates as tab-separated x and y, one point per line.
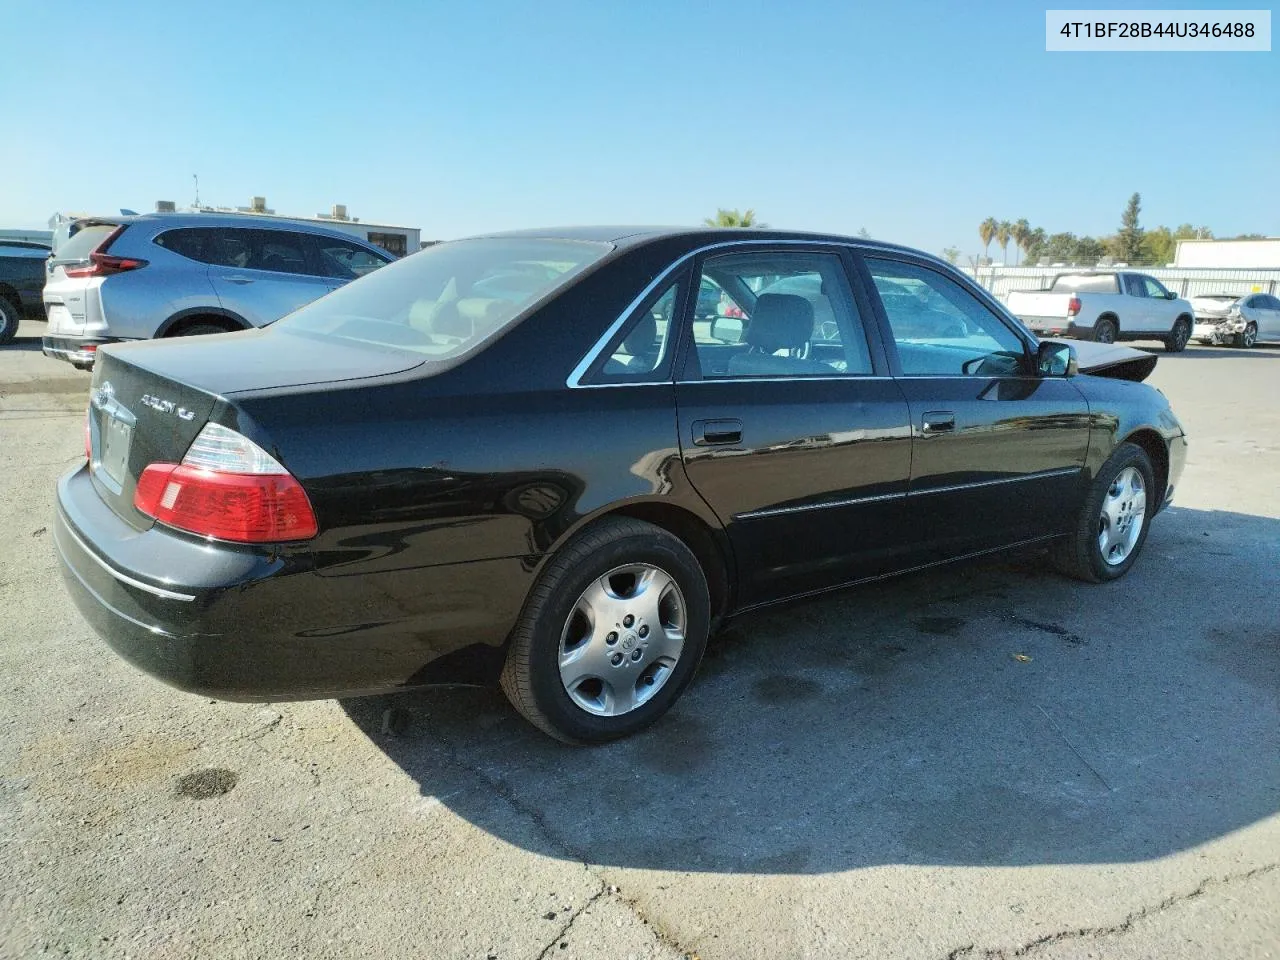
1059	247
1004	230
864	233
732	218
1088	251
1033	245
987	232
1020	231
951	254
1127	244
1158	246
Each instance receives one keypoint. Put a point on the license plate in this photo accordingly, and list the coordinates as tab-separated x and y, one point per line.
115	449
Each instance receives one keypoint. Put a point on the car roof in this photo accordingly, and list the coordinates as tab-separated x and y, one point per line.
625	236
229	219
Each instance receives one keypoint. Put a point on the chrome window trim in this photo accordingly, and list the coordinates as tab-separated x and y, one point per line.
574	379
879	498
158	591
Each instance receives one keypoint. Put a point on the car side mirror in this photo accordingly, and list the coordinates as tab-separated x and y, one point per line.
727	329
1056	359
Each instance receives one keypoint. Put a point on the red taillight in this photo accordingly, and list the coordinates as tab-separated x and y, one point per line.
1073	306
104	265
247	508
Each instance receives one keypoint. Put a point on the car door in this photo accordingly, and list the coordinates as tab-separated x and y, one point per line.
1136	315
1161	310
263	274
997	450
1266	313
793	433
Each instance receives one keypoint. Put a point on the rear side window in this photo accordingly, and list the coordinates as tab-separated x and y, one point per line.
85	240
278	251
448	299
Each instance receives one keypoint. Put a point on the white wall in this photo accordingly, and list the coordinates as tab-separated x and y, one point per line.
1228	253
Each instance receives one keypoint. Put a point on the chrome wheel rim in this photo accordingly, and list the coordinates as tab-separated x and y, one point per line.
1250	335
1124	511
623	639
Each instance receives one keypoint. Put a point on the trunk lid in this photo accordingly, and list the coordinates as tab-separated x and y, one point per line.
1028	307
150	399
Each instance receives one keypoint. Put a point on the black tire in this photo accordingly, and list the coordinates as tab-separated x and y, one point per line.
1177	340
10	317
1079	554
1105	331
1247	337
199	330
531	676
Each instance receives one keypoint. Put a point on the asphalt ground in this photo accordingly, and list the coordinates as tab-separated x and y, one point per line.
982	761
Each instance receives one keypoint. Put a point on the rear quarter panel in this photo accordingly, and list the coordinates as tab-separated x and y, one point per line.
137	304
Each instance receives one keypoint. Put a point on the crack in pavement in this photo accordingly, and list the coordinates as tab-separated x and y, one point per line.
1118	929
567	849
564	931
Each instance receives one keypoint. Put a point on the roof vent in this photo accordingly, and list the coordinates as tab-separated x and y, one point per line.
339	211
166	206
258	204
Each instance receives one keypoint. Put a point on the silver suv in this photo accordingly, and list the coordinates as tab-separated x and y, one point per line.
174	275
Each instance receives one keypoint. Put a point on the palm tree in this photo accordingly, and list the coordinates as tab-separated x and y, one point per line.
732	218
987	232
1004	230
1021	234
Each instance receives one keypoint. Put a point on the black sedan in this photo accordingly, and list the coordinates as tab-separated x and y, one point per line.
568	482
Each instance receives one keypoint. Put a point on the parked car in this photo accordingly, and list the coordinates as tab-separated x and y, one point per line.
176	275
1107	307
21	277
569	487
1235	319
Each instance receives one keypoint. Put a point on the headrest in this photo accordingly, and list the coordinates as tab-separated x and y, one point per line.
640	341
781	321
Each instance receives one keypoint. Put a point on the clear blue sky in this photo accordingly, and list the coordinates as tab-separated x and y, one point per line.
913	120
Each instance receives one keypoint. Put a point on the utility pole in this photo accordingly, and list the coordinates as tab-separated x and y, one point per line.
196	178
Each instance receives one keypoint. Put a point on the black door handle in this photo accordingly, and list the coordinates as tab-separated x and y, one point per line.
937	421
708	433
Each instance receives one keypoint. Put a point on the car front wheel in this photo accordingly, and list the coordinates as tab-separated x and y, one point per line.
1178	337
1111	527
1247	337
611	634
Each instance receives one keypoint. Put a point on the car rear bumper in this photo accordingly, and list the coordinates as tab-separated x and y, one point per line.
1220	331
1055	327
80	351
255	624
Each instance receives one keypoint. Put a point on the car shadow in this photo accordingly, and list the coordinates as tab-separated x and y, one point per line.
24	342
978	715
1198	351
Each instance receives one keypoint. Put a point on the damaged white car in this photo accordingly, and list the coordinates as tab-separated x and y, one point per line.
1229	318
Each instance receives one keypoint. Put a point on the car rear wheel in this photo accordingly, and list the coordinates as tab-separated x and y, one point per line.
1247	337
1178	337
10	317
1104	331
611	634
1111	526
200	330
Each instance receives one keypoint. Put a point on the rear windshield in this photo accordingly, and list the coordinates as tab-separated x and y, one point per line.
449	298
84	241
1105	283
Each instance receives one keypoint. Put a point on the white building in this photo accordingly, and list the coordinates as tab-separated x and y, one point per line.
1228	253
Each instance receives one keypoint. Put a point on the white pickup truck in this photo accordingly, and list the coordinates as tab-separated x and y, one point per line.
1106	307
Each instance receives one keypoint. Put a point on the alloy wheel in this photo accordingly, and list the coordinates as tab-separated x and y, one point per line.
622	639
1124	510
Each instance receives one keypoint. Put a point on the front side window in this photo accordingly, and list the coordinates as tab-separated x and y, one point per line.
779	314
940	328
343	260
1154	288
1134	286
448	299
